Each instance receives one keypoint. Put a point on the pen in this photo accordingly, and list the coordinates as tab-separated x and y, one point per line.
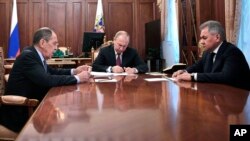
124	69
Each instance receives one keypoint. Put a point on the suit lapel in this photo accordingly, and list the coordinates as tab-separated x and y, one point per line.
111	53
37	56
219	55
125	58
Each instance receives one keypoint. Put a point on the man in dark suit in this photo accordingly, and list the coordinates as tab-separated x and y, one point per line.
118	57
222	62
32	78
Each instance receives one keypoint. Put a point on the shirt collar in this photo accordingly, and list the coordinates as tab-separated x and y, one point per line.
217	48
39	53
117	53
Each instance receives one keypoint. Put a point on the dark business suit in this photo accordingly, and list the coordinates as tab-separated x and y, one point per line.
28	78
107	57
230	67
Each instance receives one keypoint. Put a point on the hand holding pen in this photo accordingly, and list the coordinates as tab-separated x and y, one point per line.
179	72
117	69
130	70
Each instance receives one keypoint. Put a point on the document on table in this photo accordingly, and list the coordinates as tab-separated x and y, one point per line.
105	80
159	79
100	74
156	73
155	79
170	78
107	74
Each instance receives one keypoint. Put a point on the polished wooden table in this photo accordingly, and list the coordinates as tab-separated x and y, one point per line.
133	109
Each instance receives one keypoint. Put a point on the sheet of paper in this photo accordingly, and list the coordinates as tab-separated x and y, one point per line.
100	74
155	79
105	80
170	78
106	74
116	74
156	73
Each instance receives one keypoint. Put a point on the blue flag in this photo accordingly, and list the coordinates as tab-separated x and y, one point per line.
14	46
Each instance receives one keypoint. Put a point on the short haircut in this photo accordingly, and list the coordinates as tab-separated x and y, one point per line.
120	33
214	27
42	33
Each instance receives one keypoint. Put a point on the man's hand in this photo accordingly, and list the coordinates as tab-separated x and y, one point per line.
84	76
183	76
117	69
179	72
130	70
82	68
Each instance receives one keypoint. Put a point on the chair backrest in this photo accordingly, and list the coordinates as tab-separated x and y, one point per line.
2	71
5	133
94	53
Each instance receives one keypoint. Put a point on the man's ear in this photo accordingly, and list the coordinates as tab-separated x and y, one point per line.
218	37
42	42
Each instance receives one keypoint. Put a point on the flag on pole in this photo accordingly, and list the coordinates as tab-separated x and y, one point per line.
14	46
99	19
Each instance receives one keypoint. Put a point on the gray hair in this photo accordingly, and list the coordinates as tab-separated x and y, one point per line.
214	27
121	33
42	33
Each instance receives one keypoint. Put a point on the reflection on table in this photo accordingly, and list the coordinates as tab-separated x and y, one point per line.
132	109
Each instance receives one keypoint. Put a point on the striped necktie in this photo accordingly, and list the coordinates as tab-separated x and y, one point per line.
210	62
118	60
45	65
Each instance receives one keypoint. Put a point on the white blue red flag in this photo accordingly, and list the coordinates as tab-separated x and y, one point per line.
99	19
14	46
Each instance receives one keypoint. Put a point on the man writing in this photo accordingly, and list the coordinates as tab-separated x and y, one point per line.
222	62
119	57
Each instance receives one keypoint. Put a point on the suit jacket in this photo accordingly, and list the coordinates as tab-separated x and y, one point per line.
130	58
28	78
230	67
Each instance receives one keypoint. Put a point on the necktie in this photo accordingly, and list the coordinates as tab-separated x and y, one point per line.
210	62
45	65
118	60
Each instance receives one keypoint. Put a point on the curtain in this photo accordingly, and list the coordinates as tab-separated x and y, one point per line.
243	40
170	44
232	19
229	19
162	7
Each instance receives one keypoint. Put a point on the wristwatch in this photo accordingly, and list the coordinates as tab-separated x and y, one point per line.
192	77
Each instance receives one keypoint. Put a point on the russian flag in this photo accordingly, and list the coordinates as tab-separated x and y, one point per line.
14	46
99	20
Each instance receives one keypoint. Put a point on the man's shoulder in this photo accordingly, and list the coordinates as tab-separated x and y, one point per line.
229	47
27	52
131	50
106	49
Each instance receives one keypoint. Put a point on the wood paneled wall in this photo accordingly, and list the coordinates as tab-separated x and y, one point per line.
192	13
70	18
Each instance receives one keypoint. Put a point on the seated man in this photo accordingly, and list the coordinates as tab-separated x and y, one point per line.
222	62
32	78
119	57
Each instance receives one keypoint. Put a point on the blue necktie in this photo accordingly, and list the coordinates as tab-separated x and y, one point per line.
210	62
45	65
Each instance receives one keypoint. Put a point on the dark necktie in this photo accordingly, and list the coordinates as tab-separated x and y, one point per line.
45	65
210	62
118	60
